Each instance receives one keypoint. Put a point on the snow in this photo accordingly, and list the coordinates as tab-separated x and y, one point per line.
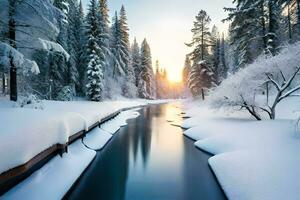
51	46
7	52
248	84
27	132
38	130
56	177
252	159
91	112
97	139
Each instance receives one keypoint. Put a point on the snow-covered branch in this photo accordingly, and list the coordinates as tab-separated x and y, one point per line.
8	54
240	88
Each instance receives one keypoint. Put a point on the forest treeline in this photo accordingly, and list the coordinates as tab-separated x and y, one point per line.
77	54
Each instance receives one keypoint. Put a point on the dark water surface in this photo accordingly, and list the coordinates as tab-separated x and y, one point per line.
150	159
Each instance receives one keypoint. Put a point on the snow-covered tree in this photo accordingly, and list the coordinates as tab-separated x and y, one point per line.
116	49
104	35
95	64
249	89
129	88
136	60
186	70
274	12
244	29
201	78
124	31
25	23
216	53
94	77
146	86
82	57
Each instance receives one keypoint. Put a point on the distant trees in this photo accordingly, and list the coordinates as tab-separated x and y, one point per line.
136	60
146	85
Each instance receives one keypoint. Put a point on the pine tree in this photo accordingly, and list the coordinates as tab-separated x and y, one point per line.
95	65
129	84
116	49
63	5
201	75
158	81
244	30
201	38
224	68
104	35
200	78
272	35
81	41
216	53
74	42
124	31
146	87
136	60
186	70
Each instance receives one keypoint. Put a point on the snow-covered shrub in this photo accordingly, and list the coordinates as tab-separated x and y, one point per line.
29	101
248	87
66	94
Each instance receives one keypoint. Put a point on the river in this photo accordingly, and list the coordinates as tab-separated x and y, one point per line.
150	159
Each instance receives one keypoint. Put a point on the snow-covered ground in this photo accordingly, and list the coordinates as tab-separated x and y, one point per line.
26	132
253	159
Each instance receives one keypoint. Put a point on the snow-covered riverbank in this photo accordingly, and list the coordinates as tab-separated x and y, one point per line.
26	132
253	159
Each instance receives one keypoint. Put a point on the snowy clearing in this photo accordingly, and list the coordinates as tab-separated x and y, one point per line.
253	159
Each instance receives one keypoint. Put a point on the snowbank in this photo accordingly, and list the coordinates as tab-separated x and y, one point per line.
56	177
253	159
26	132
99	137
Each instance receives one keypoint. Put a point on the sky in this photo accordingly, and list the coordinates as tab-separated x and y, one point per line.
167	26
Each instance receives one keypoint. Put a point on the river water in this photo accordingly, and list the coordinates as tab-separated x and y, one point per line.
150	159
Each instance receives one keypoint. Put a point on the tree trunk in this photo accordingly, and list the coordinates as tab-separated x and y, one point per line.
202	41
298	16
12	41
263	24
289	21
202	93
3	83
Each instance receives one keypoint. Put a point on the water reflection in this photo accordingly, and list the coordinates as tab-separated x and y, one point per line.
149	159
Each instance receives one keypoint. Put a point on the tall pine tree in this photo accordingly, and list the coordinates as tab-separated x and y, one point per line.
136	60
146	87
95	65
